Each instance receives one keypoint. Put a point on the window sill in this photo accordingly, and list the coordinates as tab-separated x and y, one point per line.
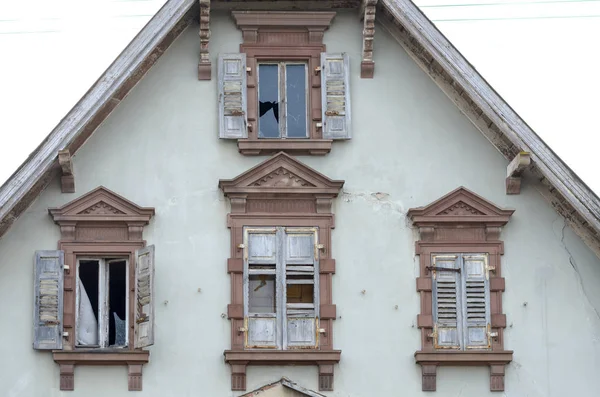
68	359
496	360
324	359
255	147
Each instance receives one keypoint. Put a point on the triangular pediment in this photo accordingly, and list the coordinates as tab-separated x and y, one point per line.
460	206
101	203
281	174
282	388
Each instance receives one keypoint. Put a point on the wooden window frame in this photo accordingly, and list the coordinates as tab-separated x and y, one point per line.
278	36
284	192
99	224
461	222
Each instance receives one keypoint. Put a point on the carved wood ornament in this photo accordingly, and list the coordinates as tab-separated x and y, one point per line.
204	66
67	180
281	191
461	222
98	223
367	13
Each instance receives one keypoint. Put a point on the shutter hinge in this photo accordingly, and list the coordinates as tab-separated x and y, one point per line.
317	70
241	246
433	335
242	329
65	334
322	331
66	267
248	70
319	125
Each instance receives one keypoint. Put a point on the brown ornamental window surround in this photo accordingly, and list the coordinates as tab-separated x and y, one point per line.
100	224
284	36
461	224
281	192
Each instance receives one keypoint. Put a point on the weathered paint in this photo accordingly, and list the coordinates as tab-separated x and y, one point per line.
410	145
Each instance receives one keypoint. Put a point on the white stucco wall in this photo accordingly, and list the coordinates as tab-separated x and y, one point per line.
160	148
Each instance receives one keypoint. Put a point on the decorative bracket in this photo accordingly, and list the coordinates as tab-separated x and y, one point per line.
515	170
204	72
367	12
67	181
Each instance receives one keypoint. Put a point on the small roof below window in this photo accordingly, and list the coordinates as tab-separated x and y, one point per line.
282	388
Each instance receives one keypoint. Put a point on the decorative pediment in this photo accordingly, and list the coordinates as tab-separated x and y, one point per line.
283	387
101	215
460	206
281	174
281	184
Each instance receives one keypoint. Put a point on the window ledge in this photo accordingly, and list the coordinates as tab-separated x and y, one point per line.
255	147
496	360
67	360
458	358
324	359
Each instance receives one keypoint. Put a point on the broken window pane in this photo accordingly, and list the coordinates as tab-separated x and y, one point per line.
87	316
261	291
268	101
117	303
296	101
300	293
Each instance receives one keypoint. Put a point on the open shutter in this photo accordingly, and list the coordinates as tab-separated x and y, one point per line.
446	307
144	297
476	298
335	95
261	288
48	300
232	96
301	293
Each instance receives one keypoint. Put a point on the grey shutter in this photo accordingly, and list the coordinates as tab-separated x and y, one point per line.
261	254
446	306
48	300
144	297
335	95
301	320
233	118
476	298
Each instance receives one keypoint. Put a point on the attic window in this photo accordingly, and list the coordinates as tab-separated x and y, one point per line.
282	90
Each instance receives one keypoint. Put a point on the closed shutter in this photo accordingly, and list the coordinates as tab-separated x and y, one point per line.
232	96
446	306
335	94
48	300
144	297
476	298
261	289
301	268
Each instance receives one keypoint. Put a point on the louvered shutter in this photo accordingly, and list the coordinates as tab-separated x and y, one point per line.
48	300
233	118
446	306
144	297
301	261
261	254
476	298
335	95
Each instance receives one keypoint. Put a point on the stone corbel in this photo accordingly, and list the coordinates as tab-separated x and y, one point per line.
515	170
204	67
325	376
67	180
367	13
238	376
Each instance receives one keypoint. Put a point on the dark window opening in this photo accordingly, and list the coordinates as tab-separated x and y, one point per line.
117	303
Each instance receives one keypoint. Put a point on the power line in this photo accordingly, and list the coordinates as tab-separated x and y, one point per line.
516	18
506	3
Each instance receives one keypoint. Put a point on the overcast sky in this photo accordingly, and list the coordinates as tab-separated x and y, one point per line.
541	56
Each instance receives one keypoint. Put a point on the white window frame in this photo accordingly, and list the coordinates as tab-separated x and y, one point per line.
103	297
282	77
281	306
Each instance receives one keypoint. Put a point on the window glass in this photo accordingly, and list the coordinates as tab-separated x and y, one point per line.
296	101
268	101
300	293
261	293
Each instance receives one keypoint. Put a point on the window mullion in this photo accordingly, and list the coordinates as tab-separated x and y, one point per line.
282	101
282	289
103	303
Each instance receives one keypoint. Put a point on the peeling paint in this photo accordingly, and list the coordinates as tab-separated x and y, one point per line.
378	200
